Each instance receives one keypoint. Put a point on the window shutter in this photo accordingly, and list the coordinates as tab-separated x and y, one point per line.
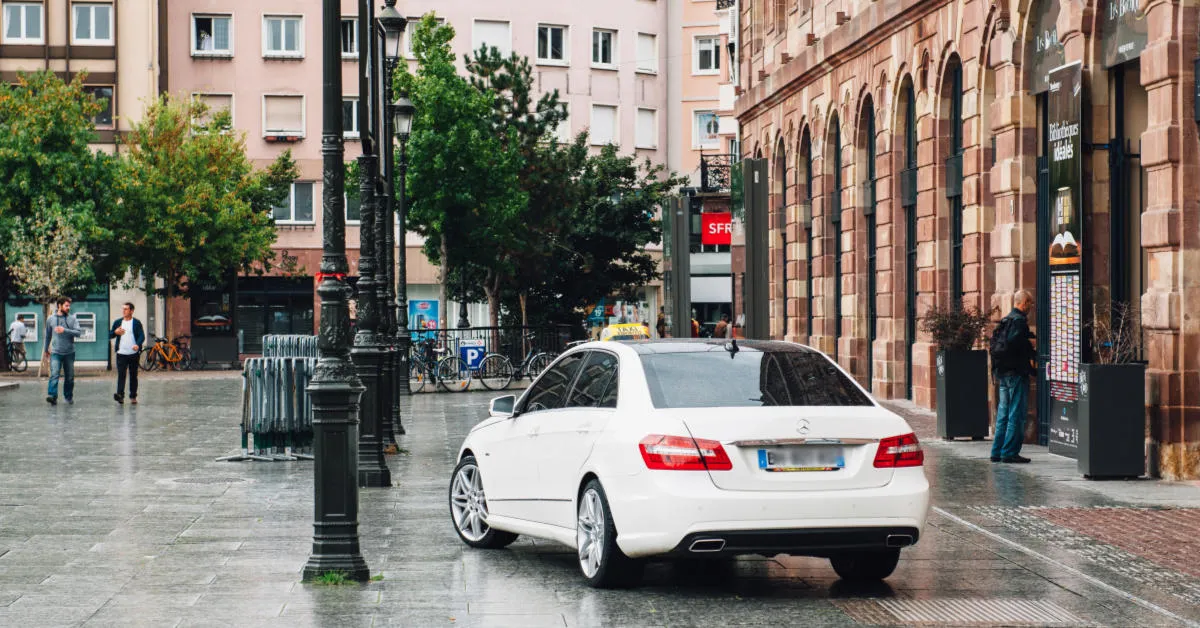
646	128
604	124
647	53
492	34
284	114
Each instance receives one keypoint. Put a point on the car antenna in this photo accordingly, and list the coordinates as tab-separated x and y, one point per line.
731	347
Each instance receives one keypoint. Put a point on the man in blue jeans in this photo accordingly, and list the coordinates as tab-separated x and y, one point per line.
62	328
1012	365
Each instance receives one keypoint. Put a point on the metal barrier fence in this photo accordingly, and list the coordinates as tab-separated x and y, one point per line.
513	342
276	408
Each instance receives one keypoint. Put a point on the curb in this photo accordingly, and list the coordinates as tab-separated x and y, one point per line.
6	386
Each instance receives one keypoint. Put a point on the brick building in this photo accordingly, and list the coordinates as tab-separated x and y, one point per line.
908	146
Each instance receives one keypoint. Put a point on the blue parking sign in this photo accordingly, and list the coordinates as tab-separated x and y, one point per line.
471	352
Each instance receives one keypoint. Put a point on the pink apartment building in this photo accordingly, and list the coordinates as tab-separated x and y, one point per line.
262	61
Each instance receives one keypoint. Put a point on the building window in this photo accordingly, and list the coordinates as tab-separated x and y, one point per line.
706	56
104	95
706	133
647	53
283	36
492	34
562	132
353	211
552	44
283	115
604	125
23	22
214	103
212	35
408	43
349	38
93	24
350	117
604	44
647	129
298	208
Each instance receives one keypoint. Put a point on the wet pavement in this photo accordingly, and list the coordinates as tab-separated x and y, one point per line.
119	516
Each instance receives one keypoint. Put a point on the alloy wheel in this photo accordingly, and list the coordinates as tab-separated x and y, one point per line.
468	503
590	533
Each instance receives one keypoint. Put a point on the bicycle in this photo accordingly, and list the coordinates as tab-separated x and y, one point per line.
17	360
175	354
496	370
450	372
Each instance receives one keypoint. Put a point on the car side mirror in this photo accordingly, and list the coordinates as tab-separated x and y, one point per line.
502	406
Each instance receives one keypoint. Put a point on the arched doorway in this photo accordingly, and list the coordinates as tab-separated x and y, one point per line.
950	118
906	117
866	169
804	193
779	226
834	223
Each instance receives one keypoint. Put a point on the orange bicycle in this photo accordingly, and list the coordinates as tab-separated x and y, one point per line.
167	355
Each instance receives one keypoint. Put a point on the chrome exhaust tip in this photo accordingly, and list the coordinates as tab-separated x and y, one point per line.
707	545
899	540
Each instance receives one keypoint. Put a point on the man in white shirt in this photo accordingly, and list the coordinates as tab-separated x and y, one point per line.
17	331
129	340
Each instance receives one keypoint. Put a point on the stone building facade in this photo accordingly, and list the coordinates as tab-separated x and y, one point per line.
907	142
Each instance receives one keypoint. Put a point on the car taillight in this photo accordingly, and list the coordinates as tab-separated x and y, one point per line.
899	451
683	453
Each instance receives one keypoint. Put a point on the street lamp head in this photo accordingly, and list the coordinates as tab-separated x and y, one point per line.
402	116
392	24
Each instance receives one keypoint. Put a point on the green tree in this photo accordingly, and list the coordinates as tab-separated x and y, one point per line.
602	249
527	123
463	177
195	206
50	175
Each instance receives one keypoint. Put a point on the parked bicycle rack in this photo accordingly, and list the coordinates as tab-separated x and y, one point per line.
276	408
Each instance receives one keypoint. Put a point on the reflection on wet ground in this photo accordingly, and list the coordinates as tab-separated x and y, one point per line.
115	515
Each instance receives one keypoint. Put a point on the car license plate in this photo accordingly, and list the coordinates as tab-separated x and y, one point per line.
801	459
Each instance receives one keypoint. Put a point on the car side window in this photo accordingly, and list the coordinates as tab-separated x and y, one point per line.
550	390
594	383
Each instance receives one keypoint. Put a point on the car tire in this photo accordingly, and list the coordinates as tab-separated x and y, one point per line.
602	563
468	509
865	566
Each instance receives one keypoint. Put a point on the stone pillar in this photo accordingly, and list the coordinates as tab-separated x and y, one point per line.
1170	238
888	379
924	381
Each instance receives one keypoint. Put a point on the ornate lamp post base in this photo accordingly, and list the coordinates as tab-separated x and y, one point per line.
372	467
335	530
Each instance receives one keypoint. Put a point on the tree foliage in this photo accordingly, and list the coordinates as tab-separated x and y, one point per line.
48	256
462	183
195	207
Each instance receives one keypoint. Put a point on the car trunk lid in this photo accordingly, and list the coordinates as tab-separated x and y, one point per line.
796	448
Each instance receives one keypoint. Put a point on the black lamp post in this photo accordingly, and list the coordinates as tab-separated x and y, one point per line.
368	352
462	304
402	119
335	388
391	28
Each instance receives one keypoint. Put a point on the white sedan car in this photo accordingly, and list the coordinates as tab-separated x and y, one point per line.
625	451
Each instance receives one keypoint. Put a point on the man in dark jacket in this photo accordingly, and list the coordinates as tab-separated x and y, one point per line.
1012	371
129	340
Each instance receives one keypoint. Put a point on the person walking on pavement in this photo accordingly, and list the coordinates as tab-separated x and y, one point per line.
61	331
661	325
1012	365
129	336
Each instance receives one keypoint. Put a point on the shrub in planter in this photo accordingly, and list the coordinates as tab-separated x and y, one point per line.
961	370
1112	397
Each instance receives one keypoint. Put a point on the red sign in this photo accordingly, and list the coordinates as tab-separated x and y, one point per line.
716	228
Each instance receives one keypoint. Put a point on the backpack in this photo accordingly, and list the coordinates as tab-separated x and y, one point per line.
1001	348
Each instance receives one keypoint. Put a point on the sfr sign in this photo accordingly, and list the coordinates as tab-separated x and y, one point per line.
716	228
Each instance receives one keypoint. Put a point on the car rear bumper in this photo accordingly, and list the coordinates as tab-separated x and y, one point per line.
656	512
802	541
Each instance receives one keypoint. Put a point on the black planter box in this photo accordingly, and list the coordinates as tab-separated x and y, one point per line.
962	394
1112	420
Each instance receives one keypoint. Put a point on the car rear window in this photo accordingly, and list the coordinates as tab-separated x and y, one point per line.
750	378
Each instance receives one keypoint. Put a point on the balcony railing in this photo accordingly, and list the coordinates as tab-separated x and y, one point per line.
715	172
